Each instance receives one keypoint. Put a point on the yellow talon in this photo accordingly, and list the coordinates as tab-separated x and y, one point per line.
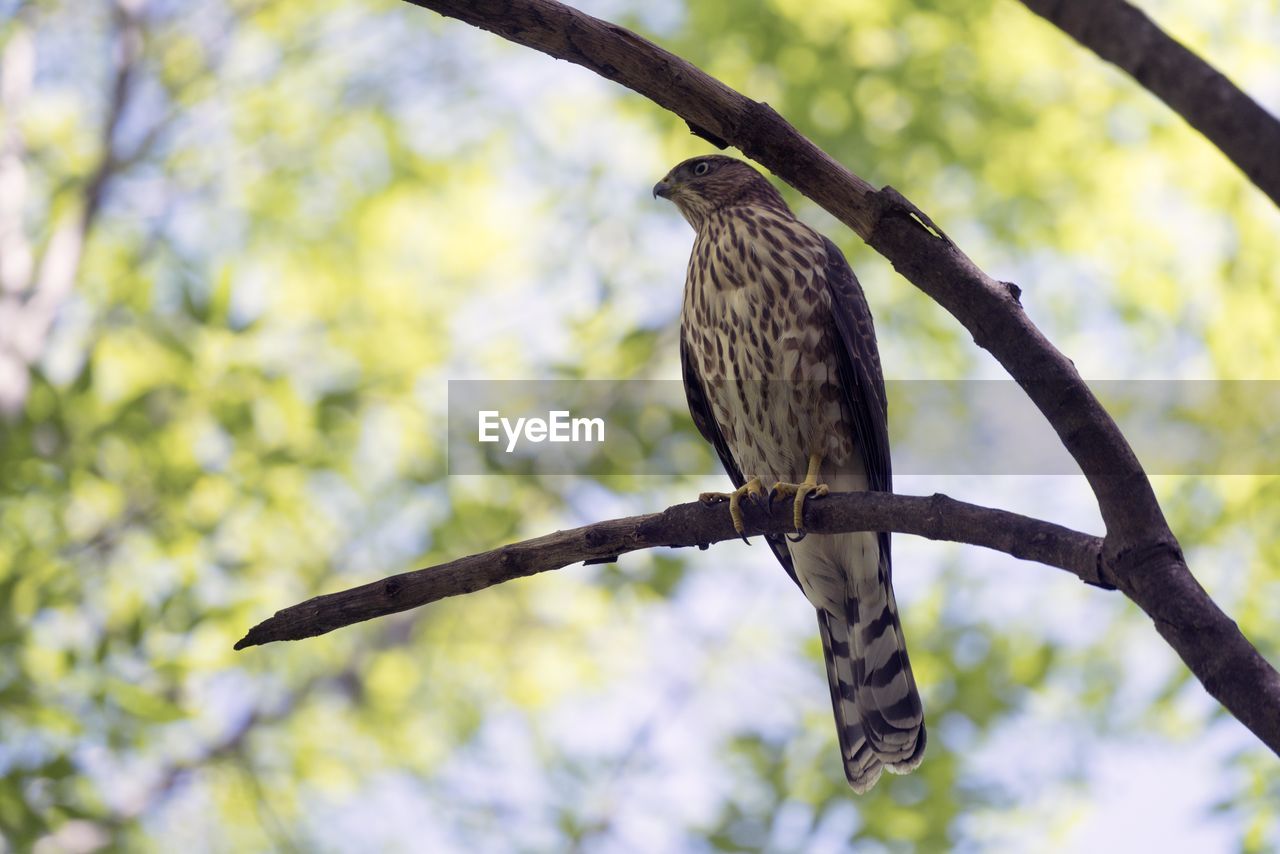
801	491
752	487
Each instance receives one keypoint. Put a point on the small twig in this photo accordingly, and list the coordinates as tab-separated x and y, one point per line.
937	517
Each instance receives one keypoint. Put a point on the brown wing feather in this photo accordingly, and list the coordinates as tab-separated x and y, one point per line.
860	376
886	697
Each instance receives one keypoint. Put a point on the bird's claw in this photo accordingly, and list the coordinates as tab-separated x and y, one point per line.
753	488
801	491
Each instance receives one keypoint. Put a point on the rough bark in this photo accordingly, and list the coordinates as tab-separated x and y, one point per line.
937	517
1123	35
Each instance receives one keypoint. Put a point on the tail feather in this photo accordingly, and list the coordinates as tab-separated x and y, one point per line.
879	718
885	693
861	765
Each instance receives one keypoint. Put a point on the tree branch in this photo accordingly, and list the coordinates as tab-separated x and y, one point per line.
887	221
1124	36
1139	549
696	524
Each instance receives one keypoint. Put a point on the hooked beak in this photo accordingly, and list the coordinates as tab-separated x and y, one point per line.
662	189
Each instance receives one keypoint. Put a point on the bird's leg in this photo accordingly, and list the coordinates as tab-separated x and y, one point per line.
801	491
753	487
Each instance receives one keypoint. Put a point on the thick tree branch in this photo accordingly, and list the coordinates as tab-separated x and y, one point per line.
1139	548
887	221
1123	35
937	517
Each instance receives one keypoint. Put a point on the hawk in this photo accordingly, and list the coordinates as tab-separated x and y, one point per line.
783	378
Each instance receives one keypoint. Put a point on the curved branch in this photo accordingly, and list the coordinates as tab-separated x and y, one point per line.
1123	35
696	524
1139	548
887	221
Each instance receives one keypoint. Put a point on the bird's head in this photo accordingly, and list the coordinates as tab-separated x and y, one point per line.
701	185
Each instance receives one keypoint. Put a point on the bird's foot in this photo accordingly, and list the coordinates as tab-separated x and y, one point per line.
802	491
753	488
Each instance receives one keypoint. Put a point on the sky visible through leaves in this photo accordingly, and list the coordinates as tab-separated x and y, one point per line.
244	246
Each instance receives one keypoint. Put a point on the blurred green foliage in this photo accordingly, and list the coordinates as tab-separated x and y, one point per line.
313	215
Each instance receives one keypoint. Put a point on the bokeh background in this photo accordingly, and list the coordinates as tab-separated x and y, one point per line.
244	246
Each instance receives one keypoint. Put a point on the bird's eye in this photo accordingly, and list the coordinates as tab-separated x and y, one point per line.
702	168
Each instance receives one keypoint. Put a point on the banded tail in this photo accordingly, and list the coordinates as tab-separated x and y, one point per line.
879	718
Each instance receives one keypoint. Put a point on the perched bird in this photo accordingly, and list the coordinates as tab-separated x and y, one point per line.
783	378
